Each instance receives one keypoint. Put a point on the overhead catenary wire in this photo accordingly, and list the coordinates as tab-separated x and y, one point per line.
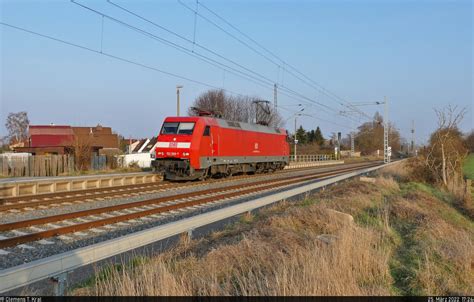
110	55
264	80
118	58
270	81
227	32
101	52
316	118
177	46
211	61
283	62
312	83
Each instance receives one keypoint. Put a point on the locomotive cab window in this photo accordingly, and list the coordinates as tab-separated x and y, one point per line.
207	131
177	128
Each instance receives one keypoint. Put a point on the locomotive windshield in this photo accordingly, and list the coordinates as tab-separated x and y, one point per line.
177	128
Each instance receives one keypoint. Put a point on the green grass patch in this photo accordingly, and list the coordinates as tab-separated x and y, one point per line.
469	166
370	217
406	259
307	202
418	186
448	209
108	270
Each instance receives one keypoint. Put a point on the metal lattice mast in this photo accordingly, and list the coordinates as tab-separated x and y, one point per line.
352	144
387	152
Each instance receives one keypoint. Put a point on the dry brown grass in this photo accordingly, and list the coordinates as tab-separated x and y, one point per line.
399	171
439	245
450	250
387	183
305	251
357	239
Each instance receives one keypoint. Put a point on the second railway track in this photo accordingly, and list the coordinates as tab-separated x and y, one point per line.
30	202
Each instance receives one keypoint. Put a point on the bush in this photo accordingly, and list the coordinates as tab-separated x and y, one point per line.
419	171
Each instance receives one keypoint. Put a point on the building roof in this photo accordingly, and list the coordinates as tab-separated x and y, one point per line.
50	136
66	136
144	145
50	130
88	130
139	145
150	144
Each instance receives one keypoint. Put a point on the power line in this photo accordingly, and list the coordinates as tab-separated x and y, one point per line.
312	83
270	82
317	118
228	33
188	51
241	32
117	58
265	80
147	66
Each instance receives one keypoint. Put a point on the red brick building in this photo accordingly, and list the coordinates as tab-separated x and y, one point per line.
63	139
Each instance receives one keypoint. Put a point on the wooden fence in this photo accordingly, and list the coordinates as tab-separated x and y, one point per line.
105	162
37	165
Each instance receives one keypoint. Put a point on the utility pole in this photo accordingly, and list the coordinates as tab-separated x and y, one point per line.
177	98
296	141
275	101
296	114
386	148
412	147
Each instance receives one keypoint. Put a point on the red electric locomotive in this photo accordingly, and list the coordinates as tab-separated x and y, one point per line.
199	147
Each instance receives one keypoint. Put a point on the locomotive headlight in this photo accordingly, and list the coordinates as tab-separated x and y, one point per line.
185	153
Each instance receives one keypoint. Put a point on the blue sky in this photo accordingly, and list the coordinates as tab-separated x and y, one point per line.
417	53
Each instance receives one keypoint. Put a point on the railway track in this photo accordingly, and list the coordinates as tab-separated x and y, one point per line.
25	203
47	227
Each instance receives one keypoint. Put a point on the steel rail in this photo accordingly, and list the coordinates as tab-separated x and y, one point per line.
22	202
106	221
60	217
96	193
68	193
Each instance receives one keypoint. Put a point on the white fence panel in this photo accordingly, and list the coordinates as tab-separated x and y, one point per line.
143	160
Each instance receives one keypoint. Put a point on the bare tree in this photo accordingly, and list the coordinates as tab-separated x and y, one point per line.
446	151
235	108
17	126
369	138
211	100
83	152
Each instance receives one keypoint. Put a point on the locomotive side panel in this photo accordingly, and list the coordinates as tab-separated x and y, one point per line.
246	143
